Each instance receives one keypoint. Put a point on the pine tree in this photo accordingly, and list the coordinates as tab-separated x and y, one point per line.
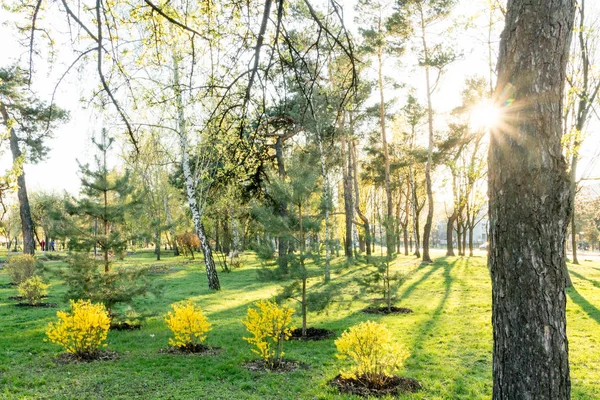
106	198
299	190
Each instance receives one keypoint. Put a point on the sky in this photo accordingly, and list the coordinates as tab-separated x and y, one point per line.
72	142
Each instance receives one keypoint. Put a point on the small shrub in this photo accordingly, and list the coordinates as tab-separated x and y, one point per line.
33	289
373	352
188	324
81	331
270	326
21	267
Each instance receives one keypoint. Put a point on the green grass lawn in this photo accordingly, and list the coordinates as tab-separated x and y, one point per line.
448	337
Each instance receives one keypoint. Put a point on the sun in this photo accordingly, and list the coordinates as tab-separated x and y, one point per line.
485	115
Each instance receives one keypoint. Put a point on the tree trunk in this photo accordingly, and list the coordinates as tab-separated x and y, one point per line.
24	209
429	220
348	206
190	185
361	216
389	237
326	197
449	234
471	240
405	229
282	244
529	207
157	245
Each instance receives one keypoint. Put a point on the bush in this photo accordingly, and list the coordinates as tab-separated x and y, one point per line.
87	280
270	327
373	351
188	324
33	289
21	267
81	331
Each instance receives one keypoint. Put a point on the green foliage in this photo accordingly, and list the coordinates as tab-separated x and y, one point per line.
86	280
269	325
101	210
33	289
83	330
32	119
380	280
374	353
22	267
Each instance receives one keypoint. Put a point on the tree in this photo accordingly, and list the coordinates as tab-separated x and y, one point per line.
30	123
529	206
584	84
106	199
426	13
382	37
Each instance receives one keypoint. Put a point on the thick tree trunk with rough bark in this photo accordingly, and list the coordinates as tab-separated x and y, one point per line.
24	209
529	207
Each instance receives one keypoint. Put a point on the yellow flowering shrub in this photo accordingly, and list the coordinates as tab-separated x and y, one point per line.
373	351
269	325
188	324
81	331
33	289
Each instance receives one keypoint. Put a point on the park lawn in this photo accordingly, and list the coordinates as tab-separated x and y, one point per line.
448	337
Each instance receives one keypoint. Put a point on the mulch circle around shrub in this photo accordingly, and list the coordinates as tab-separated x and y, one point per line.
312	334
396	385
384	310
21	298
9	285
38	305
102	355
197	349
124	326
283	366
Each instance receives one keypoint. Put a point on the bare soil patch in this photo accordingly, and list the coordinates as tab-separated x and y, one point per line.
312	334
384	310
393	386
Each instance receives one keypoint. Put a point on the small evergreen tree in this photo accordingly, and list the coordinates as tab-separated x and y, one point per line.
106	198
297	190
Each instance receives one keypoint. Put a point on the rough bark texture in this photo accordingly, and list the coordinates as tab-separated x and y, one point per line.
24	209
530	204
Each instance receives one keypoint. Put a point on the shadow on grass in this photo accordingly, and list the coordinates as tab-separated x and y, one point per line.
581	301
579	276
408	291
430	324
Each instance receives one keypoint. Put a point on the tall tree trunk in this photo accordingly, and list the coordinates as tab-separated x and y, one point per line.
171	227
24	209
361	216
415	209
429	220
157	245
459	237
529	206
190	185
389	224
326	200
282	244
471	227
449	234
348	206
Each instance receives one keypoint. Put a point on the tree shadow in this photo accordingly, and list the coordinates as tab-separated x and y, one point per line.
429	325
408	291
585	305
579	276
